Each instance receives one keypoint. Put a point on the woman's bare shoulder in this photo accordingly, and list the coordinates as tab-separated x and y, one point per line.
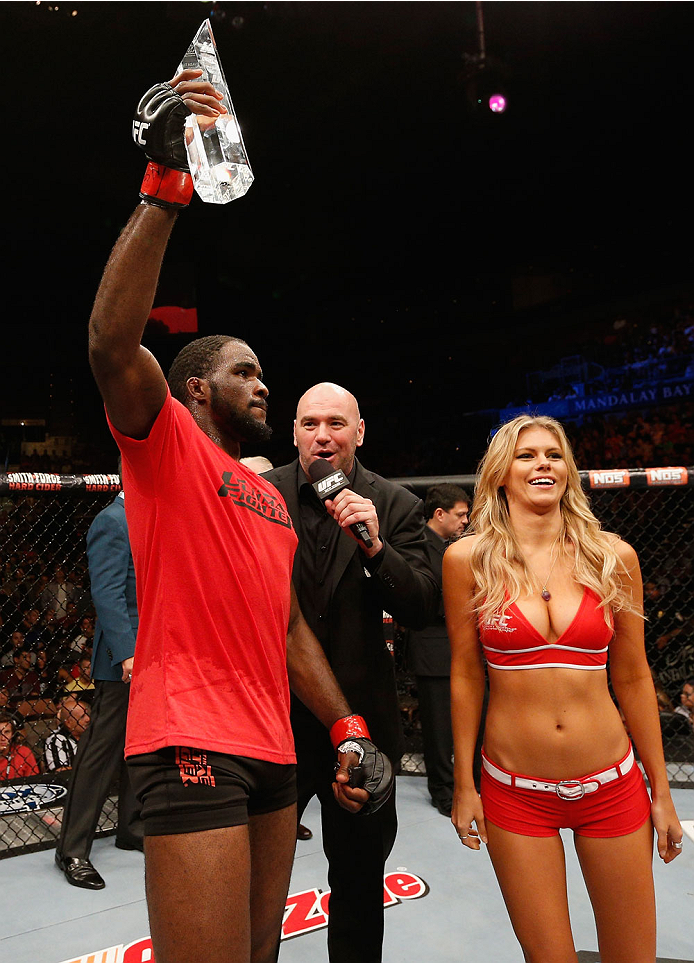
626	553
462	549
456	560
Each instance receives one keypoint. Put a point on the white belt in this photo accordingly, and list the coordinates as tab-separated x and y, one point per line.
566	788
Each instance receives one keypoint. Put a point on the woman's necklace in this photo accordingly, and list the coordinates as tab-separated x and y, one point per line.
544	593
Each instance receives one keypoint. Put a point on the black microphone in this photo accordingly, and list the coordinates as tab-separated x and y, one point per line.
327	483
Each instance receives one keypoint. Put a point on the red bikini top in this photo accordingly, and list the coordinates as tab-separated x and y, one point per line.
510	641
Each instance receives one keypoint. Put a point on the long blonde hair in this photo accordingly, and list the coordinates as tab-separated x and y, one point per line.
500	571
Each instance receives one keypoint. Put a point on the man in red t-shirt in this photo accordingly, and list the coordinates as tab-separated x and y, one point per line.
221	637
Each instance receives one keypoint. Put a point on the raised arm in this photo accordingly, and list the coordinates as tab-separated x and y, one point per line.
129	378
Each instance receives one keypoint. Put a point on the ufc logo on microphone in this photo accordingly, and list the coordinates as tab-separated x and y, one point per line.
138	132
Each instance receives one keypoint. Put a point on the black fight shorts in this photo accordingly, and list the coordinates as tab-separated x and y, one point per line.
182	790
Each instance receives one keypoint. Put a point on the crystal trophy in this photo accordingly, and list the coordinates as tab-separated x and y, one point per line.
216	153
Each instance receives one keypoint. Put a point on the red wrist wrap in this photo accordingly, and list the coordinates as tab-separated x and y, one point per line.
349	727
170	187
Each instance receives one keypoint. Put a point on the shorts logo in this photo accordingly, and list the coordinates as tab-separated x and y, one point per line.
241	493
193	767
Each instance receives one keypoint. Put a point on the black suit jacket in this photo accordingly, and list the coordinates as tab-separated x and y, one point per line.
399	582
428	649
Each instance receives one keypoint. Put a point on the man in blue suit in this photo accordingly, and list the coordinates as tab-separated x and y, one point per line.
100	756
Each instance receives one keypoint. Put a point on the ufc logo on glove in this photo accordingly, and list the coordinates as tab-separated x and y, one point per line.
138	132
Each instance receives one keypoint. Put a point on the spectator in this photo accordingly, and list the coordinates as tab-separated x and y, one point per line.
70	620
676	651
53	638
686	707
83	638
21	682
58	593
39	586
82	682
32	629
60	747
15	760
16	641
49	683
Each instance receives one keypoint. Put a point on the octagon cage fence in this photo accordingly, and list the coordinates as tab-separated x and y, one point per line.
47	626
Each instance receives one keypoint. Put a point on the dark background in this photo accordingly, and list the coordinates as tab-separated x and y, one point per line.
421	253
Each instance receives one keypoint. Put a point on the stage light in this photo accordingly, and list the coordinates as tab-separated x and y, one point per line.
484	77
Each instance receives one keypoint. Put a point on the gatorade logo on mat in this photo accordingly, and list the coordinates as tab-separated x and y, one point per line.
666	476
617	478
303	913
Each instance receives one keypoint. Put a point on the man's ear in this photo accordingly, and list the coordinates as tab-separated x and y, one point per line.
198	389
361	430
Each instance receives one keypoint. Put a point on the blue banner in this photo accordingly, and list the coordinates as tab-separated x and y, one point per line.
662	394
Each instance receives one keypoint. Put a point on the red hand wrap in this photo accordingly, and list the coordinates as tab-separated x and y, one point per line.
171	188
349	727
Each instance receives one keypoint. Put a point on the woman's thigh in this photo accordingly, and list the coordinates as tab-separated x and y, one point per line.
531	871
619	875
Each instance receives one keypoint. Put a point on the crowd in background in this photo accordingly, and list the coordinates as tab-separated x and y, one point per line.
662	436
620	355
47	619
59	461
46	633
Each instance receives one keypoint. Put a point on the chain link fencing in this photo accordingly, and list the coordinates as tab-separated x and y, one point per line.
47	627
46	633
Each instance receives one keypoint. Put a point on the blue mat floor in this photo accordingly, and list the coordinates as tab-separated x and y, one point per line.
460	919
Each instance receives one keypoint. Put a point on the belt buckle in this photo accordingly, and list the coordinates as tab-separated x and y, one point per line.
570	789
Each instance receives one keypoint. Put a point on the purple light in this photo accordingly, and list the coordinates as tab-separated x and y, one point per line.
497	103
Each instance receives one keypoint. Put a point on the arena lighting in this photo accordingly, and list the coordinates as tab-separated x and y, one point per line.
481	75
497	103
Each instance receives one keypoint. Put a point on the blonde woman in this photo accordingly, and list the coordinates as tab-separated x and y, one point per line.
545	594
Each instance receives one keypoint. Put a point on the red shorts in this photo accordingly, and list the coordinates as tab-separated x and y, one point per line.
616	808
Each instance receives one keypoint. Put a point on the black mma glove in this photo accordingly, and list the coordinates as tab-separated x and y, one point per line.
373	772
158	129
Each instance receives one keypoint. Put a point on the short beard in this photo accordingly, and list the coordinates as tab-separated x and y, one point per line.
242	423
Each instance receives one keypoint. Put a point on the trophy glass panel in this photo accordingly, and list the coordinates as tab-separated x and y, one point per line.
216	152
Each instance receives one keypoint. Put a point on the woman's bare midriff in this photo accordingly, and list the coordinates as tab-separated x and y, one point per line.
553	723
